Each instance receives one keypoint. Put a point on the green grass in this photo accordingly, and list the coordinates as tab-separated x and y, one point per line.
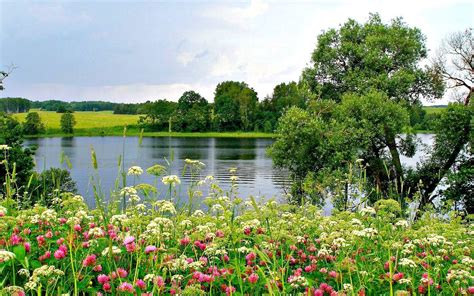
105	123
433	109
85	120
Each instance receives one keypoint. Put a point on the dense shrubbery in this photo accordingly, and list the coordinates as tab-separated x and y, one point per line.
231	246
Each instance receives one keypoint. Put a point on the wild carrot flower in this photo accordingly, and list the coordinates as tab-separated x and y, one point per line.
135	171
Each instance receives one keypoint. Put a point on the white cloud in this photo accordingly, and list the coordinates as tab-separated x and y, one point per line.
113	93
184	58
238	15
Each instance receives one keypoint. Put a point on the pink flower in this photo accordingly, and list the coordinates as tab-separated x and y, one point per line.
89	261
97	268
229	290
27	247
49	234
41	240
15	240
332	274
122	272
318	292
106	286
159	281
150	249
253	278
62	220
128	240
102	278
186	240
140	284
126	287
131	247
77	227
251	257
59	254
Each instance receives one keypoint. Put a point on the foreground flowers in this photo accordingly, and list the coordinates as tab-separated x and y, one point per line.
229	246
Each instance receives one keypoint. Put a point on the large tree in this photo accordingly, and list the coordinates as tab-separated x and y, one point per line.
192	113
371	72
235	105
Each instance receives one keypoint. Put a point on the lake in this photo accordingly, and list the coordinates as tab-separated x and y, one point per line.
257	176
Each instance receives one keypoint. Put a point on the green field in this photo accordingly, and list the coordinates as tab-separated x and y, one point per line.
105	123
85	120
433	109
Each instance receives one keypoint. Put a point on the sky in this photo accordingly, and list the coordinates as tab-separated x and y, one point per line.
133	51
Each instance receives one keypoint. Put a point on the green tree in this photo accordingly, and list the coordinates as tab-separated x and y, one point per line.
235	106
17	158
371	71
33	124
157	115
192	113
68	122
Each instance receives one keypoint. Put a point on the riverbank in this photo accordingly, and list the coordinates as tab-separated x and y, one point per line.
136	131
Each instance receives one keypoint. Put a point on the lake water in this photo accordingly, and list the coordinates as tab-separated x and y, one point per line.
256	174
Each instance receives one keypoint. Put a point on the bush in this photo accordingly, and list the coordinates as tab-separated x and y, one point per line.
33	124
67	123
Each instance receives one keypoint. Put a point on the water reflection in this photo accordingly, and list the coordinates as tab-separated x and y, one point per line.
255	171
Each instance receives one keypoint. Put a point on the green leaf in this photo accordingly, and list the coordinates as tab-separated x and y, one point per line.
20	252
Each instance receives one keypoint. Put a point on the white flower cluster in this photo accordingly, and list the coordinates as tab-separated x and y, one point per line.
165	206
366	232
96	232
407	262
434	240
158	227
368	211
49	215
195	163
171	180
115	251
118	220
135	171
402	223
297	281
4	147
6	256
43	272
459	275
254	223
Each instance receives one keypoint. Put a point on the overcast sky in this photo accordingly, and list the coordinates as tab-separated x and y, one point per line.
129	51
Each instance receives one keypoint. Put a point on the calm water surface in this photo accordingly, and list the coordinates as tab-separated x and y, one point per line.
254	167
256	174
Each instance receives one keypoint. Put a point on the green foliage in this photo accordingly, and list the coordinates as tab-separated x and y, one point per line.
48	184
67	123
33	124
235	106
359	57
20	164
157	115
14	105
192	114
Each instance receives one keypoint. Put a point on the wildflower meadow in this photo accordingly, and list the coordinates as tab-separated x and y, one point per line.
223	243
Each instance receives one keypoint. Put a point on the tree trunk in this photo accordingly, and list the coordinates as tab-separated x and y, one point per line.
392	146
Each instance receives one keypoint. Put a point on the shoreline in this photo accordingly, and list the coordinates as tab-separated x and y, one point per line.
137	133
